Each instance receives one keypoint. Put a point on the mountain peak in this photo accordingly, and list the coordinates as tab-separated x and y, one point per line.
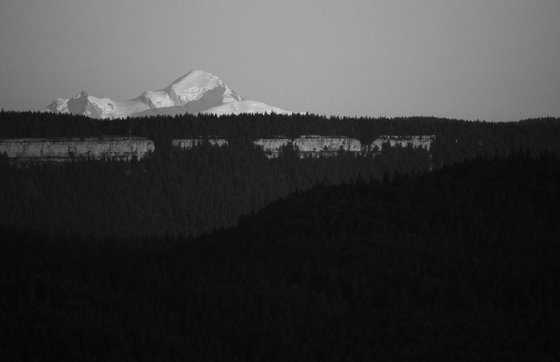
195	77
195	84
197	91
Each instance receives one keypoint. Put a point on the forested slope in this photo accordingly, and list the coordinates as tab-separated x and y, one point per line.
195	191
460	263
187	192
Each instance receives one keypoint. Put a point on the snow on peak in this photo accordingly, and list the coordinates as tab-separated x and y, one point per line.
193	85
196	79
195	92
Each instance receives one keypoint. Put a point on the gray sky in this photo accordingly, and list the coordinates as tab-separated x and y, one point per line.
475	59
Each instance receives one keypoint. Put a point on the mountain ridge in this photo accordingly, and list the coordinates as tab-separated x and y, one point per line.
195	92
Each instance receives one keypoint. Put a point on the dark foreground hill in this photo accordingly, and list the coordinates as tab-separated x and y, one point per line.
460	264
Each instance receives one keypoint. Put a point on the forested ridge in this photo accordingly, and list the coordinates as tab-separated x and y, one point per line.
192	192
456	139
219	253
460	263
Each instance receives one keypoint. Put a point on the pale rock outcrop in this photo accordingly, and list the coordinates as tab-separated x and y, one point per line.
272	146
188	143
67	149
310	146
322	145
127	148
417	141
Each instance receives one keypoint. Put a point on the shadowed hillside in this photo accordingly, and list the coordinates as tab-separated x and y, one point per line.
460	264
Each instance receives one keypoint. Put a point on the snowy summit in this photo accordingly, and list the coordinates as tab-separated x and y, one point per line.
195	92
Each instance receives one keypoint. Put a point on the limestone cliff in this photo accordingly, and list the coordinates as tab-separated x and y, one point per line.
310	146
188	143
417	141
315	146
324	145
272	146
127	148
66	149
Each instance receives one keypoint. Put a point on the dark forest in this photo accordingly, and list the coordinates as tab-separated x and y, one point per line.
222	254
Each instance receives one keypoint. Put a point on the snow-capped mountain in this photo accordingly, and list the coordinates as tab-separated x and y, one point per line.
195	92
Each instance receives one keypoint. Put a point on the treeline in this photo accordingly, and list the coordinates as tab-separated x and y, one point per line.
456	140
460	263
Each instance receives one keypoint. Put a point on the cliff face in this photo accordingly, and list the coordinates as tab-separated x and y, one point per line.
272	146
315	146
310	146
127	148
423	141
323	145
58	150
188	143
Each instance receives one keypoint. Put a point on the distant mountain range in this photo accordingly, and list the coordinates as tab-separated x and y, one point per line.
195	92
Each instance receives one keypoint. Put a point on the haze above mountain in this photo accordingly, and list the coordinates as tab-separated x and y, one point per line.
195	92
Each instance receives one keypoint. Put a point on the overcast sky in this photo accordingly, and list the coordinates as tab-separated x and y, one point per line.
476	59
